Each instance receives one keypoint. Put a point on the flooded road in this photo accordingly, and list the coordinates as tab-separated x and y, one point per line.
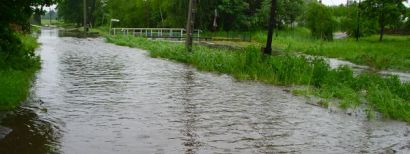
91	97
335	63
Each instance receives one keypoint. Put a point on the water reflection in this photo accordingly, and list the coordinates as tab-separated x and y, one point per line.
190	115
110	99
29	133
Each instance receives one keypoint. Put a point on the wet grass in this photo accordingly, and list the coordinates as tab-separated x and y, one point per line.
16	73
47	22
14	88
392	53
386	95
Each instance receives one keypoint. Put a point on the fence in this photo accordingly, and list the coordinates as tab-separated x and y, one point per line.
154	32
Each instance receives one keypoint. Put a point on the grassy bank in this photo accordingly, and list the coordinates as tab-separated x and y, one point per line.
47	22
392	53
17	70
386	95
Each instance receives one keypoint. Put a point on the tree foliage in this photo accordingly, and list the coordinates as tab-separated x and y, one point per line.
406	19
354	22
319	20
210	14
287	13
72	11
15	16
386	12
19	11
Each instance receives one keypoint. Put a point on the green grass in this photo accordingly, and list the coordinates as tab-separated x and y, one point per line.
15	88
35	29
392	53
47	22
386	95
58	23
17	72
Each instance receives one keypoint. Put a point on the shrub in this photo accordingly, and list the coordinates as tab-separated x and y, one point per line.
319	20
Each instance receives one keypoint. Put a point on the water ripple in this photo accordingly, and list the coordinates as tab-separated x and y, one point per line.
103	98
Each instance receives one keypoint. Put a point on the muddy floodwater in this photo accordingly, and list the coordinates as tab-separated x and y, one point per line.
91	97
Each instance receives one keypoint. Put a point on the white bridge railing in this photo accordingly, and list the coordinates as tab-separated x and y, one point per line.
153	32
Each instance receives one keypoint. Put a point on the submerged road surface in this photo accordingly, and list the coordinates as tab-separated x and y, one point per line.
92	97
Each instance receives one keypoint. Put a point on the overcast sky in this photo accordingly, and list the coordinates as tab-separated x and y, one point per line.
338	2
334	2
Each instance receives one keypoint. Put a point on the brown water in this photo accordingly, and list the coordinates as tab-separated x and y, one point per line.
91	97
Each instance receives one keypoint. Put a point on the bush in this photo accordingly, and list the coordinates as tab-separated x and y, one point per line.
17	52
319	20
349	23
18	64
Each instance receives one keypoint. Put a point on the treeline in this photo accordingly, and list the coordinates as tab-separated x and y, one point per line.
368	17
210	14
372	16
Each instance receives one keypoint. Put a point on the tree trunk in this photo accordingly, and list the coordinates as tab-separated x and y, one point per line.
272	23
381	33
190	24
382	25
85	15
91	18
358	21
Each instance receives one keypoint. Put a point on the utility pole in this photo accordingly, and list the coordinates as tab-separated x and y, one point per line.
272	22
358	21
85	16
190	24
49	12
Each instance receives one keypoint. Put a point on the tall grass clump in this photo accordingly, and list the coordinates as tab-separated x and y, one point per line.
18	65
388	95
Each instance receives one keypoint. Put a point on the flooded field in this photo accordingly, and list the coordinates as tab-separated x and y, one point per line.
95	97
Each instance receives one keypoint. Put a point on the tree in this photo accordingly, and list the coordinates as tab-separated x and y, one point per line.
351	18
15	16
287	12
48	14
134	13
190	24
20	11
232	14
71	11
272	22
386	12
176	13
320	21
407	20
